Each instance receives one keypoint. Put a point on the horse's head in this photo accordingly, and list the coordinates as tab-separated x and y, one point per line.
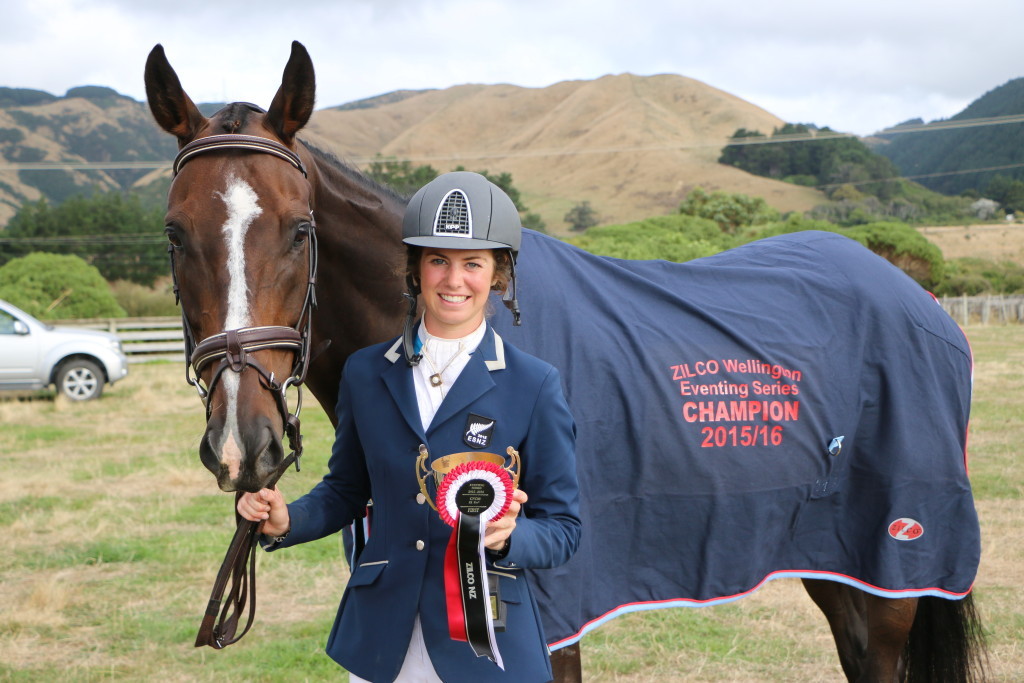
243	251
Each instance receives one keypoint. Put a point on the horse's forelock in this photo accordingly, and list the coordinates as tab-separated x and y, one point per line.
234	117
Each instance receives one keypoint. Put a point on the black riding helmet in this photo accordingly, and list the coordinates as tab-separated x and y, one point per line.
460	210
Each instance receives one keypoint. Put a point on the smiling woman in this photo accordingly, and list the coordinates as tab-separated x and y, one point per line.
454	285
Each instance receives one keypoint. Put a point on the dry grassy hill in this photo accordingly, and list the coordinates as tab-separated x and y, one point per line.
995	242
633	146
46	147
91	124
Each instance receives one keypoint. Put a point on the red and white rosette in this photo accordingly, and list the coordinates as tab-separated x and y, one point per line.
467	487
471	495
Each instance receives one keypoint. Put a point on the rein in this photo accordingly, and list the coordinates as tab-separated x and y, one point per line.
232	350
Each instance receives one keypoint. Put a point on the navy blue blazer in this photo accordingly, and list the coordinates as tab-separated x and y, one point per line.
399	573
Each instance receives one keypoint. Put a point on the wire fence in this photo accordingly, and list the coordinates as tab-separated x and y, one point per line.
998	309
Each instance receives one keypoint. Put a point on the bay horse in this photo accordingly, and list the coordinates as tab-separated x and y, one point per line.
251	212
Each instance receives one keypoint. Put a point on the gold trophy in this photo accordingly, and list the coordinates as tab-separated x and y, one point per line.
445	464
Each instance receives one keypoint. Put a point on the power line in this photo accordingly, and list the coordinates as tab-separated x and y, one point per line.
784	138
939	174
83	165
951	124
810	136
86	240
936	126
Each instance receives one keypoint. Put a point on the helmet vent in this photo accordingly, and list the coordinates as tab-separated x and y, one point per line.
454	218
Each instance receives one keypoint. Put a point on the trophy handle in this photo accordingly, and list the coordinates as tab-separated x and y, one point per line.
514	466
422	472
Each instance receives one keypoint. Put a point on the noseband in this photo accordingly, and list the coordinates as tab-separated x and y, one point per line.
232	350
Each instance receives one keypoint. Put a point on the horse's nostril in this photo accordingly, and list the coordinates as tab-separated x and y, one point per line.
207	454
268	452
261	439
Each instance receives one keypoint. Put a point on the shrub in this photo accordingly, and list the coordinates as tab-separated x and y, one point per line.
52	286
676	238
731	211
145	302
973	276
901	244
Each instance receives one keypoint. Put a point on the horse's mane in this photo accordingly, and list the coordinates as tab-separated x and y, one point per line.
354	173
233	118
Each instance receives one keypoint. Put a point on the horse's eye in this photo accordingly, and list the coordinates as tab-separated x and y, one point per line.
301	234
172	236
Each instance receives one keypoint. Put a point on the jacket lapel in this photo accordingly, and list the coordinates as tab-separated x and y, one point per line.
398	379
474	381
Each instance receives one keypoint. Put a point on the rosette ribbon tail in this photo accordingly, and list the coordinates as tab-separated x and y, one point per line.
466	588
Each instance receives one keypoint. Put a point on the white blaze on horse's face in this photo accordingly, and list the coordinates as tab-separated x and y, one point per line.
243	207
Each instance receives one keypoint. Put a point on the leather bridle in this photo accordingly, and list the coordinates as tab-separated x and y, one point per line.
232	350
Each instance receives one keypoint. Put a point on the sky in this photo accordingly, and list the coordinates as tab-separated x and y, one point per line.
855	67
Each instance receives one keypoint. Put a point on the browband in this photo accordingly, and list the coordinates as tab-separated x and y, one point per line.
252	143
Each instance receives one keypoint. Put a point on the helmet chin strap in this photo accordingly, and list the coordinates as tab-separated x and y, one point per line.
409	333
509	297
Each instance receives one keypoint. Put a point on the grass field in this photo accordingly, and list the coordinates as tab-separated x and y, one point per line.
114	532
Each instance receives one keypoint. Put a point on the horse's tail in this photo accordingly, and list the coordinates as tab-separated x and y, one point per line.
946	642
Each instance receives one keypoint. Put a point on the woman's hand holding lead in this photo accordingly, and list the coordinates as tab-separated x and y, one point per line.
266	506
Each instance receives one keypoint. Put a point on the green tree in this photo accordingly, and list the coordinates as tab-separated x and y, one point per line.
940	157
829	159
1008	192
113	231
400	176
581	217
730	211
533	221
51	286
972	276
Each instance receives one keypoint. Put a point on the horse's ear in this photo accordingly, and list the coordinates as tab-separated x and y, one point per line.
293	103
173	110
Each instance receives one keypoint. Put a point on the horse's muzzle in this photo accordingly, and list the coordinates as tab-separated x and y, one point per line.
243	461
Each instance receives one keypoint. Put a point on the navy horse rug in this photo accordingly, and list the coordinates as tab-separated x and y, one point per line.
793	407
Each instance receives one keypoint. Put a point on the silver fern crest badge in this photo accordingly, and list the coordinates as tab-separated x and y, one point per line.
478	431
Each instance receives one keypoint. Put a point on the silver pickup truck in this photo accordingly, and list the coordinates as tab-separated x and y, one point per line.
34	355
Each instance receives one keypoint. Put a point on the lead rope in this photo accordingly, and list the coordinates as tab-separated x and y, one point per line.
239	567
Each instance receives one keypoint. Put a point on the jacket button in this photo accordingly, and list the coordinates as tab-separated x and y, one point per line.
420	545
420	498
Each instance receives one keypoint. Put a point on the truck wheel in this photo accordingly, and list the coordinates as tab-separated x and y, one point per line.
80	380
